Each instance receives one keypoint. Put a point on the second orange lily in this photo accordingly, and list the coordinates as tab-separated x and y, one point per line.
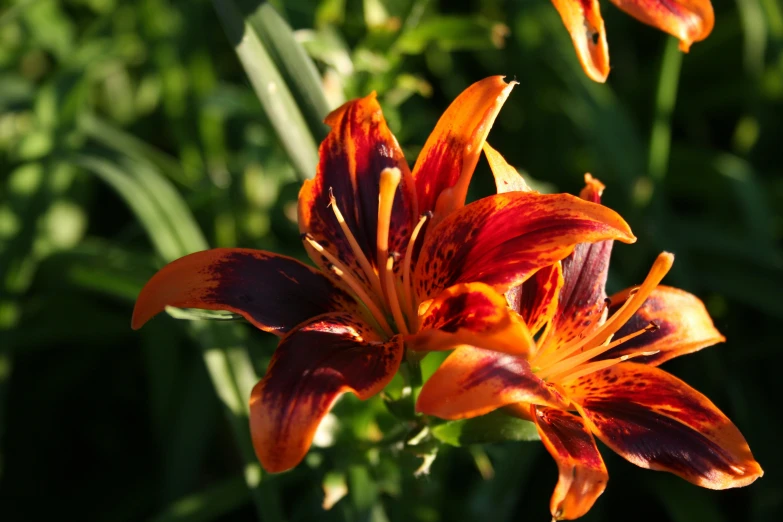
688	20
576	382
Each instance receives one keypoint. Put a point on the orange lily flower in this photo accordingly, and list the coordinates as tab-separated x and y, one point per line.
689	20
575	382
385	240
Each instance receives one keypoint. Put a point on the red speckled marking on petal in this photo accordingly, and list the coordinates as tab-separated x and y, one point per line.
471	314
657	421
583	475
311	368
503	239
536	299
352	157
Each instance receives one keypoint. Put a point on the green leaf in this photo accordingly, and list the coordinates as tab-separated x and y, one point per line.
453	33
273	93
295	65
193	314
210	504
493	427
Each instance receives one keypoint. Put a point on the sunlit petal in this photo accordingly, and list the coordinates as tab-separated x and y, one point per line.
507	179
447	161
583	20
689	20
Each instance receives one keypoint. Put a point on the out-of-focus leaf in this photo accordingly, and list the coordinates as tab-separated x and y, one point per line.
292	61
493	427
452	33
209	504
281	109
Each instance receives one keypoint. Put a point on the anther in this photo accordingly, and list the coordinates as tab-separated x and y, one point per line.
653	327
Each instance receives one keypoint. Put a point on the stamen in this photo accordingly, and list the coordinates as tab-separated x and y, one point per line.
364	298
593	367
407	295
572	362
372	276
354	284
392	294
637	298
390	179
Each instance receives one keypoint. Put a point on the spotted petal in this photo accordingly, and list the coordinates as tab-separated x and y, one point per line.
683	326
583	475
274	292
470	314
583	20
314	365
535	300
503	239
358	148
447	161
472	382
689	20
656	421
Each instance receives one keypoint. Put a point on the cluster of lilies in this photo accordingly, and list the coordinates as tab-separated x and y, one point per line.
513	284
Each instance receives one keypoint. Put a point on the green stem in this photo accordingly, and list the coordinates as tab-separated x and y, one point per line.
665	99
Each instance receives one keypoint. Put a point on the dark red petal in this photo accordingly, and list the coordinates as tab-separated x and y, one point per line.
472	382
314	365
274	292
446	163
471	314
536	299
682	326
503	239
583	474
657	421
358	148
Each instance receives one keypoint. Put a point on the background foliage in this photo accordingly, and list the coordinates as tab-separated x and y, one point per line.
130	134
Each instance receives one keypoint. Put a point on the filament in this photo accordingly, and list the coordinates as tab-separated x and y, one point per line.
357	251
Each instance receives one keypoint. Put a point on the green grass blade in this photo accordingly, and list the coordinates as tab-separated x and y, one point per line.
278	102
665	98
295	65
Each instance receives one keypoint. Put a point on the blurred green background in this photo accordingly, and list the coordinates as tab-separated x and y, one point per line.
130	134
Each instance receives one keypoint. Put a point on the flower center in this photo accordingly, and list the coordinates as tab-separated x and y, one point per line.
575	359
389	300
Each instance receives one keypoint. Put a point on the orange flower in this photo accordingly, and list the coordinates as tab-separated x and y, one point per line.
689	20
345	326
575	381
